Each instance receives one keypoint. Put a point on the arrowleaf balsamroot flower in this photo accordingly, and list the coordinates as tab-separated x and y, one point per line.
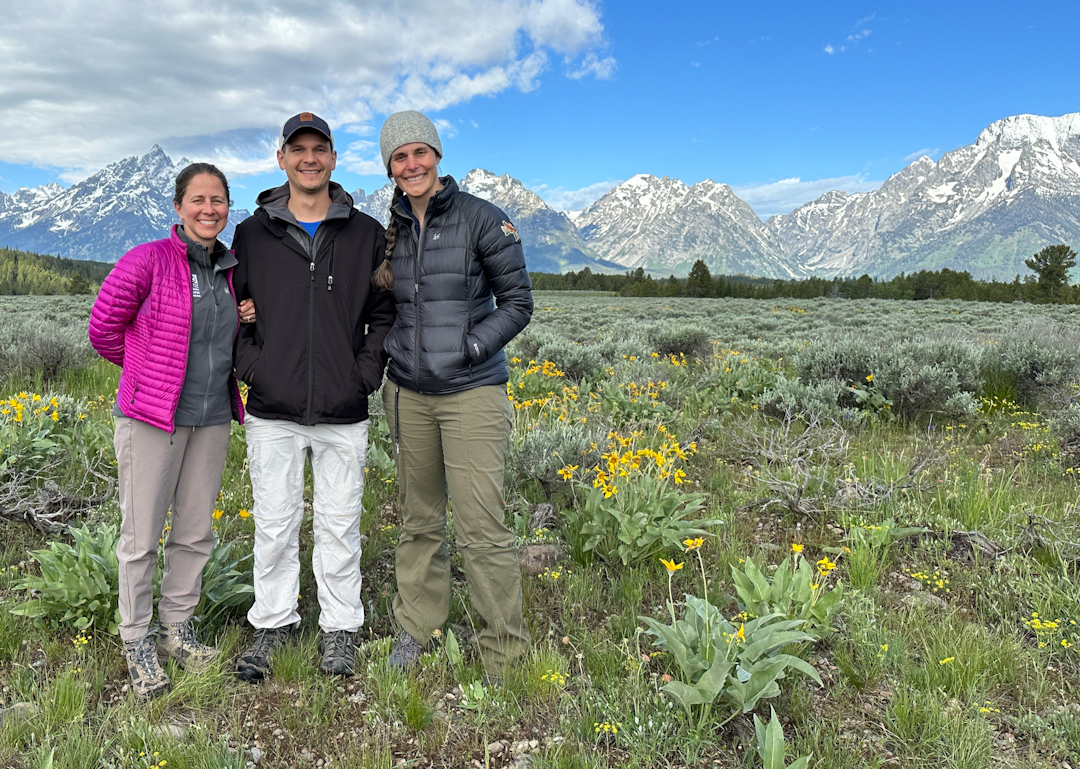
693	544
672	567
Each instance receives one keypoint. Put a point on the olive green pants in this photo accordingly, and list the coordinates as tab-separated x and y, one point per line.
456	443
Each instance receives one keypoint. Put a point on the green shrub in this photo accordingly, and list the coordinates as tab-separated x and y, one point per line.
1065	426
673	340
79	583
539	454
917	376
31	346
793	396
576	360
739	666
78	586
1038	355
795	591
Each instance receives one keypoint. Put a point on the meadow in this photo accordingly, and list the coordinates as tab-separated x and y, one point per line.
804	533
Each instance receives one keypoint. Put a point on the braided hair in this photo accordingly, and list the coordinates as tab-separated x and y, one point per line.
383	277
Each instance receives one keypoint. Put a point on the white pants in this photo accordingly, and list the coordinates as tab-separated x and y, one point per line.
277	451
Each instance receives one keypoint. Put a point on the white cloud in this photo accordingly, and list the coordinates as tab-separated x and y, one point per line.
573	200
362	157
930	153
788	194
601	69
87	83
859	31
703	43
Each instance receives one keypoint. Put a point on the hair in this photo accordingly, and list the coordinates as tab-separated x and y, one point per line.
190	172
383	277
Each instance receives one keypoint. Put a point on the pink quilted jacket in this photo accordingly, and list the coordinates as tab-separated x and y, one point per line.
141	321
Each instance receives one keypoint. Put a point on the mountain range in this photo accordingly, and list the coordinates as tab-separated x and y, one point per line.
983	208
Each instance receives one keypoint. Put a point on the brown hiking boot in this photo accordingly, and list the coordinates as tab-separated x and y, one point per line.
177	640
148	680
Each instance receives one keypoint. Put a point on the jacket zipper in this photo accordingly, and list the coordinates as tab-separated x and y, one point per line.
209	338
311	342
416	302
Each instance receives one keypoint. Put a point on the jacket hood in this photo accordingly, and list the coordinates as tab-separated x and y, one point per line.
275	202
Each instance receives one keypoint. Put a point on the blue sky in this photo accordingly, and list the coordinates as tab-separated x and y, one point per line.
782	101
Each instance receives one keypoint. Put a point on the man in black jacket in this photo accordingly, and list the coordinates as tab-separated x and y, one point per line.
311	359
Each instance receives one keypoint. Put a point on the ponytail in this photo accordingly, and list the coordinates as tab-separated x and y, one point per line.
383	277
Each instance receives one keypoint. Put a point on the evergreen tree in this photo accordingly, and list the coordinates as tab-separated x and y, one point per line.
1052	266
699	282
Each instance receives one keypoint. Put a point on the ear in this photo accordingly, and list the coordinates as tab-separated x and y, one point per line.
281	160
178	211
333	159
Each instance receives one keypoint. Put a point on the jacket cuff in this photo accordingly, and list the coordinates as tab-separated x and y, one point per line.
475	350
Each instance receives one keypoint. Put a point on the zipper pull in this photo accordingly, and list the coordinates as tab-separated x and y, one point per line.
311	269
329	282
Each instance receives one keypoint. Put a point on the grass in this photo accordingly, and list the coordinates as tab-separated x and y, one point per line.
914	676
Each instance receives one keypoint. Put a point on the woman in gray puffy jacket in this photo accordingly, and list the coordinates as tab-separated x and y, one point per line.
457	272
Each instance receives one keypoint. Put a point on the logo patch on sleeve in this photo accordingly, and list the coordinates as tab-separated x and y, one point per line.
195	292
509	229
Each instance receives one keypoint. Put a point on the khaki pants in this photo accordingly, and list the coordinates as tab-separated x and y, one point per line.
456	443
157	470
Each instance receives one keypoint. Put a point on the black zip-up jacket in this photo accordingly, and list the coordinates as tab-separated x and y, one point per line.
462	292
308	357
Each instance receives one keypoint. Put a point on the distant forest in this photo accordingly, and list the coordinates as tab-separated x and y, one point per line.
940	284
22	272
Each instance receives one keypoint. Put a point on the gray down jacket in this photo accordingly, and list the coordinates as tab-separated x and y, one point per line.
462	292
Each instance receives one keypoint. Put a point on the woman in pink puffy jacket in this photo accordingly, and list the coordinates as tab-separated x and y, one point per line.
166	315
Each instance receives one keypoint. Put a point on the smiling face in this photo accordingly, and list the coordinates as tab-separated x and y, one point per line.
307	159
415	169
204	209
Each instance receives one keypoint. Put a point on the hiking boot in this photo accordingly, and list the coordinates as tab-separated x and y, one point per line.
337	653
148	680
406	652
254	664
177	640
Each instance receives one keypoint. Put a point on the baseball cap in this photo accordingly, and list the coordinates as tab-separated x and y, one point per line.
302	121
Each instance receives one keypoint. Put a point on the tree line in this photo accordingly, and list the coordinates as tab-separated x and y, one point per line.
1048	283
24	272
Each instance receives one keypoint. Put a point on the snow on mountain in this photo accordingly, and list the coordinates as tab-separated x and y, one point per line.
551	241
663	225
124	204
377	204
983	208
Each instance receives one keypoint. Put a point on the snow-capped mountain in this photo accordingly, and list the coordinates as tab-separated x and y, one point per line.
551	242
983	208
377	204
124	204
663	225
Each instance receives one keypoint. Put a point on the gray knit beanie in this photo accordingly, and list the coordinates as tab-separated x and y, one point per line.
407	127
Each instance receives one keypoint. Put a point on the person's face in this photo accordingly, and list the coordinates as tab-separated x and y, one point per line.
204	209
307	161
414	168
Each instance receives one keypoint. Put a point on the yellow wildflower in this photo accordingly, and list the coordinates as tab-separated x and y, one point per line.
672	567
693	544
796	547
